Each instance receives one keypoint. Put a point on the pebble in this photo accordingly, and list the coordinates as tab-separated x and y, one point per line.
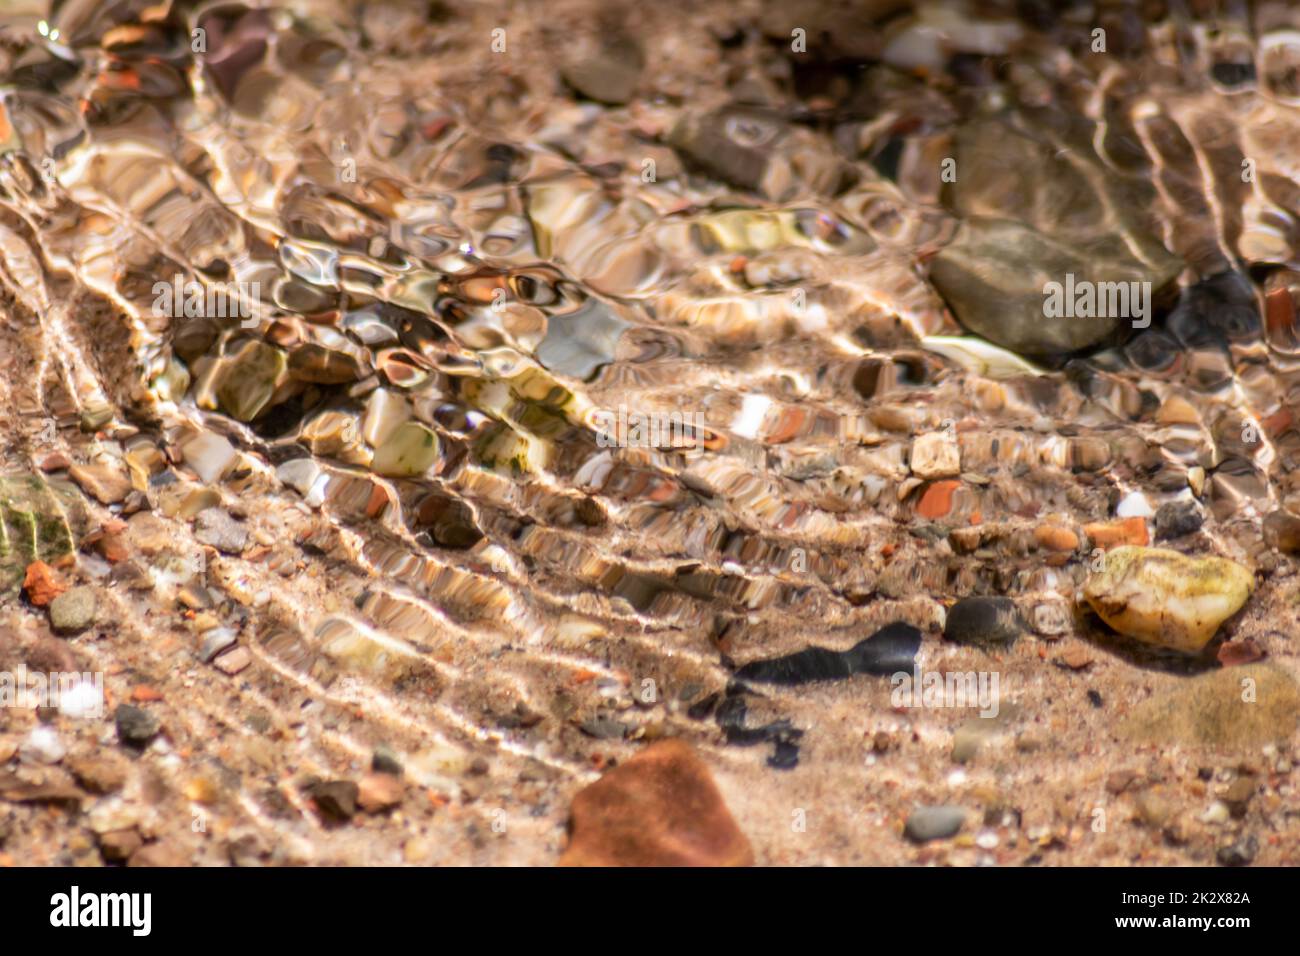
661	808
42	746
135	726
232	662
215	527
607	72
936	500
1177	518
336	799
215	641
118	845
42	584
1164	598
73	611
1134	505
98	774
1117	533
105	483
209	456
934	823
935	455
1282	532
983	621
1056	538
379	791
1241	852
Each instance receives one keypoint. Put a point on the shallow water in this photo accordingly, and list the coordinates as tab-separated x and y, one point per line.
445	278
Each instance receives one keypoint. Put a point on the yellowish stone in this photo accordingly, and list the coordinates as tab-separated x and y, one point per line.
1165	598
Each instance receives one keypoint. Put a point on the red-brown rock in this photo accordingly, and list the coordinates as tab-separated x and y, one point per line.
661	808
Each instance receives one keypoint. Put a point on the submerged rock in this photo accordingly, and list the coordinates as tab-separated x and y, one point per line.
891	649
983	621
661	808
1236	708
1165	598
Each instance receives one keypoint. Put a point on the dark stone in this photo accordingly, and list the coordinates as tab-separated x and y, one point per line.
384	760
782	734
1177	518
1094	698
135	726
1240	853
1215	311
983	621
1234	74
1282	532
891	649
336	799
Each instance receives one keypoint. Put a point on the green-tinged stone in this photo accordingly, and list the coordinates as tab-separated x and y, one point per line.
39	520
248	379
1237	708
410	450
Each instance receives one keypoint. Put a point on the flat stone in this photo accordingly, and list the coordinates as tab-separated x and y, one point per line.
208	455
232	662
661	808
1115	534
215	527
936	500
73	611
983	621
1239	709
1164	598
934	823
106	483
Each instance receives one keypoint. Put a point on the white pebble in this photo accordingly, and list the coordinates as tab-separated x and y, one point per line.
1134	505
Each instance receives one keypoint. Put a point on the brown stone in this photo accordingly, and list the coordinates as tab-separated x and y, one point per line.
1114	533
104	483
234	661
1282	532
661	808
42	584
159	854
379	791
1236	653
118	845
99	774
1055	538
52	655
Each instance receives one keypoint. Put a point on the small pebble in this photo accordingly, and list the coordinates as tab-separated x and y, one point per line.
934	823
